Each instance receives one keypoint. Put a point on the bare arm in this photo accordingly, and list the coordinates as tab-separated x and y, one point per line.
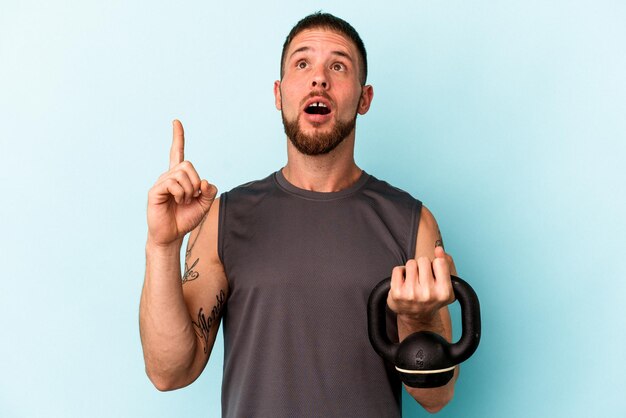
179	315
423	291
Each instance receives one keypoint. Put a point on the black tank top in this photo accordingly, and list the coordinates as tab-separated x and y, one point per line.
300	267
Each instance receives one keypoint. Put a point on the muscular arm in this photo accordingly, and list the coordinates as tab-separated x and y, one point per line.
428	239
180	314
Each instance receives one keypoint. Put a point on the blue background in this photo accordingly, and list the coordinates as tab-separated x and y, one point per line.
506	118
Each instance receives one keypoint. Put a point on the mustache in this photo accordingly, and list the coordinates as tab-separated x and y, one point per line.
317	93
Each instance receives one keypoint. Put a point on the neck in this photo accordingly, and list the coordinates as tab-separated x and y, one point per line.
330	172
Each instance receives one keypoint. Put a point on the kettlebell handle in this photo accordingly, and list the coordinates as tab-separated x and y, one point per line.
470	314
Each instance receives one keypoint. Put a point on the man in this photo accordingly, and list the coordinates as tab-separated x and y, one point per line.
288	262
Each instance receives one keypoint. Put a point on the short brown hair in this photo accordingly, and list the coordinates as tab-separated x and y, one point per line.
330	22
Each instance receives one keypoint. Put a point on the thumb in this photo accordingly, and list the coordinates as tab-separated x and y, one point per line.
207	195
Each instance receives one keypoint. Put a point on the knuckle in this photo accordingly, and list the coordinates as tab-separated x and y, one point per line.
183	180
173	174
397	291
426	269
411	268
397	272
391	302
440	264
180	174
396	294
408	297
423	261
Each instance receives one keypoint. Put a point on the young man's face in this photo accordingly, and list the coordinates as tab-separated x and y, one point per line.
320	93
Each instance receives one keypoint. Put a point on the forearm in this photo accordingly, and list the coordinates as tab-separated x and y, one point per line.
167	335
432	399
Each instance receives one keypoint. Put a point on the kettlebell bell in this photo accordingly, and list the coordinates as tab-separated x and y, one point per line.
425	359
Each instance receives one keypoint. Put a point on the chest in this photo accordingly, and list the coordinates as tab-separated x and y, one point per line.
312	246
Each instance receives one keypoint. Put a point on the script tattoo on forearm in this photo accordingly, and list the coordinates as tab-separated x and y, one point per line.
203	326
190	274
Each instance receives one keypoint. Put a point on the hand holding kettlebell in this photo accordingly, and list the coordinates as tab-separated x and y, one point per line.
424	359
420	289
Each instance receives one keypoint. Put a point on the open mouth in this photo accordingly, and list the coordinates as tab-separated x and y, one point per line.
317	108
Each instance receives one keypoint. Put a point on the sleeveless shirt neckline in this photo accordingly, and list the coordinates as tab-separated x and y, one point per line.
282	182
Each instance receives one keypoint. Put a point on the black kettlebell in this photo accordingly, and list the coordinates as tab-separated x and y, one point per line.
425	359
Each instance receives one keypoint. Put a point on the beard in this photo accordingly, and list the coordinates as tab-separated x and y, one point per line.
318	143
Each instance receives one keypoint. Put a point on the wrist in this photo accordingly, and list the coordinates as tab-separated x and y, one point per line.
418	320
166	250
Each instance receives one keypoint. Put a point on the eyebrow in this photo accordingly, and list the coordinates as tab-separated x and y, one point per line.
307	48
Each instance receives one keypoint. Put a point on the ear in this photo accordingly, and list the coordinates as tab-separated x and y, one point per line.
367	95
277	99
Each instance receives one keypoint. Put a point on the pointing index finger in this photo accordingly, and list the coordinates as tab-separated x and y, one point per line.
177	152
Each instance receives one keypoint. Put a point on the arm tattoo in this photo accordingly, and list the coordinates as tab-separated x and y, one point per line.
204	324
190	274
439	242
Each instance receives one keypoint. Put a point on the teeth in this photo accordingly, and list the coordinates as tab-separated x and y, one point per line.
318	104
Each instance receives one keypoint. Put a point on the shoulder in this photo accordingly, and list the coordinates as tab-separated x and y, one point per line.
379	192
428	235
381	186
242	203
428	223
252	188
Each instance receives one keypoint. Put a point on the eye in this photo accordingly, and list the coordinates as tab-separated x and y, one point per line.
338	66
301	64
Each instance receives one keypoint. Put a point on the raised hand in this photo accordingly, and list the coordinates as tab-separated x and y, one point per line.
421	288
179	199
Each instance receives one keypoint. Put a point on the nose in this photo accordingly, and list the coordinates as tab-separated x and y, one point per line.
322	84
320	79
